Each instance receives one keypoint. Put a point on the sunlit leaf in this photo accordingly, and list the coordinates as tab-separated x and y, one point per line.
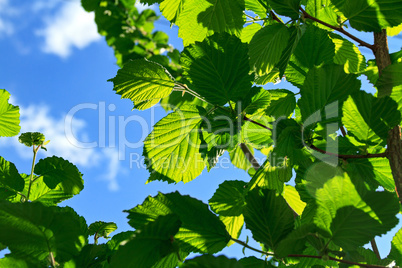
9	116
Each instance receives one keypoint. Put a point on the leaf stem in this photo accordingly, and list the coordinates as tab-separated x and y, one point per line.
244	244
375	248
250	157
185	88
339	29
347	156
254	122
35	151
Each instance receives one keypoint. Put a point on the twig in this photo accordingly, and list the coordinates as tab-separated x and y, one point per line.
375	248
250	157
254	122
339	29
307	256
347	156
343	131
274	17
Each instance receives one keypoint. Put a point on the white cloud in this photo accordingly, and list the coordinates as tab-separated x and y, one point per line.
70	27
36	118
6	11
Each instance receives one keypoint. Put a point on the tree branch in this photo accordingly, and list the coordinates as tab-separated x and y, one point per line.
339	29
250	157
375	248
307	256
348	156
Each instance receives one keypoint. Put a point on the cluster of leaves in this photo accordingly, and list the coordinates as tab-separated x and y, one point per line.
344	194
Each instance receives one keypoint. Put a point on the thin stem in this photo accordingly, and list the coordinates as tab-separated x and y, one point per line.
343	131
254	122
307	256
250	247
52	261
375	248
35	151
339	29
191	92
347	156
250	157
274	17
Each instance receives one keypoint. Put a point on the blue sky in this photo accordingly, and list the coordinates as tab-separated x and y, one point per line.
56	67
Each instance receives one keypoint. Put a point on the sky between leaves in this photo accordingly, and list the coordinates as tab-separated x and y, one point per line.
54	61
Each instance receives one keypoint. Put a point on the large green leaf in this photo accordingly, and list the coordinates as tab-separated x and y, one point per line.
390	83
201	230
268	217
396	248
346	211
295	242
210	261
314	48
258	99
171	150
371	15
35	231
266	47
258	7
253	262
283	103
324	91
228	200
374	169
369	118
271	177
201	18
171	9
9	116
149	244
9	176
40	192
323	10
234	225
288	8
218	68
59	172
249	31
347	54
143	80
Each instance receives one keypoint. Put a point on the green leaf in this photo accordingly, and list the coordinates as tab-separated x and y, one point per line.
268	217
349	213
150	244
253	262
101	229
256	135
238	158
348	55
218	68
292	197
296	34
396	248
201	18
171	9
40	192
288	140
9	176
35	231
249	31
228	200
258	99
323	10
177	99
314	48
288	8
256	6
210	261
9	116
10	261
295	242
324	91
390	83
201	230
283	103
90	5
371	15
270	177
143	80
90	256
369	118
171	151
374	169
57	171
234	225
266	47
31	138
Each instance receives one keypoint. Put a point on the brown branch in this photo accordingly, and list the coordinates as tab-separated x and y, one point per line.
347	156
343	131
375	248
307	256
339	29
254	122
274	17
250	157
